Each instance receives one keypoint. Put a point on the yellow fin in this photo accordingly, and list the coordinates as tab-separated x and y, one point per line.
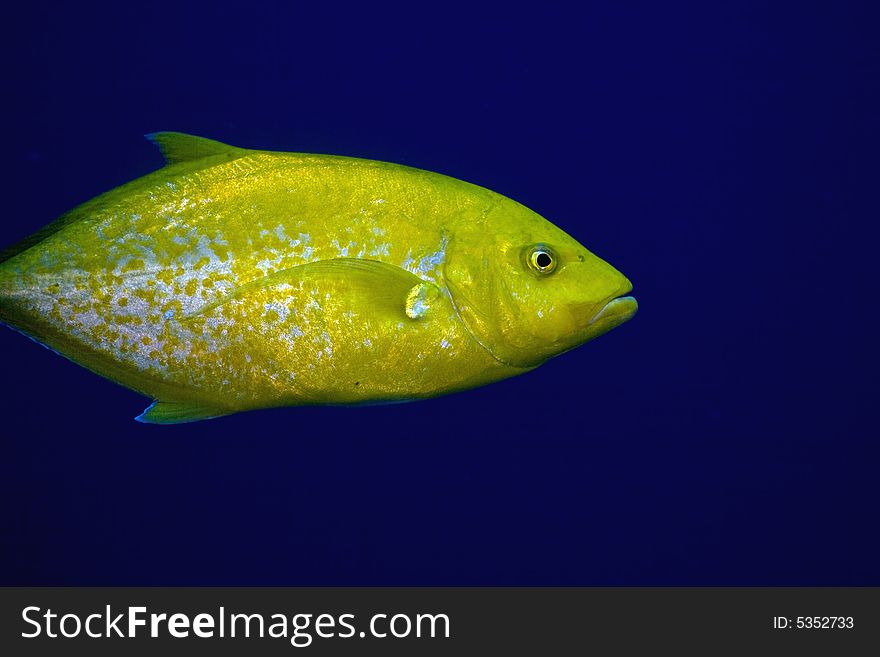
386	287
179	147
160	412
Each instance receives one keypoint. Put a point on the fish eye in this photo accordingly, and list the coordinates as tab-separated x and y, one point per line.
541	259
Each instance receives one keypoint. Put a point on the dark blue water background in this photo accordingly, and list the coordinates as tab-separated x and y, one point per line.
722	155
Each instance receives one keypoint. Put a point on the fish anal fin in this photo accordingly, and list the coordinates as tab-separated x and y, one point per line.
178	147
161	412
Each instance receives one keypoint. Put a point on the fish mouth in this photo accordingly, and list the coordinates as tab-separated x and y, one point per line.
614	313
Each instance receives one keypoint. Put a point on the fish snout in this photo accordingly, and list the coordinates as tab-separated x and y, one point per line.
612	311
619	308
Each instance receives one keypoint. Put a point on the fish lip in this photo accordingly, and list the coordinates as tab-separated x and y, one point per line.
617	308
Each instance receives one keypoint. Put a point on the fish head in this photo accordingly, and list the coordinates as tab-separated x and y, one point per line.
527	291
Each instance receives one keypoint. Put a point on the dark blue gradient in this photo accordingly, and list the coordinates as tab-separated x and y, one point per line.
723	157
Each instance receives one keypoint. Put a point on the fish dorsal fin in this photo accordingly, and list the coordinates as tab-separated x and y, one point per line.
387	288
179	147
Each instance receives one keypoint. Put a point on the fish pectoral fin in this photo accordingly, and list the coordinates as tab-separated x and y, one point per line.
179	147
160	412
384	287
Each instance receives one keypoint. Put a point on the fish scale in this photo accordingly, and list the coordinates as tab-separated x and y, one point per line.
233	279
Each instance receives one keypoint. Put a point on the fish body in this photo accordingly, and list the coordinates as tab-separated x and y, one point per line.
234	279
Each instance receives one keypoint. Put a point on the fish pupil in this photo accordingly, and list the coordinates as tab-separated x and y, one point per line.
543	260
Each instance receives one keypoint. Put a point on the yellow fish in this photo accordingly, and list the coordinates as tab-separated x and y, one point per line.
235	279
